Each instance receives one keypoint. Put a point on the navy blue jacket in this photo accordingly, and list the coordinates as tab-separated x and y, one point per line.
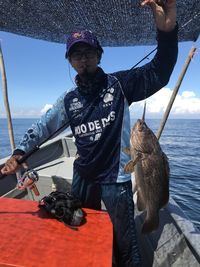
99	116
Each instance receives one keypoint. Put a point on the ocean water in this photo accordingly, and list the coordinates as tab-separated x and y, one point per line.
180	141
19	127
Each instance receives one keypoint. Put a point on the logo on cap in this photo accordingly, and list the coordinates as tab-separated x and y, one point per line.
77	35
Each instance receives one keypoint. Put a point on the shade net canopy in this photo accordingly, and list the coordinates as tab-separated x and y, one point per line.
115	22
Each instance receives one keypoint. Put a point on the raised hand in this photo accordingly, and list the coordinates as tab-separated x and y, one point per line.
164	13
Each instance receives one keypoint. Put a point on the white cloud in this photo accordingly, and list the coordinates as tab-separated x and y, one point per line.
45	108
19	112
185	104
187	94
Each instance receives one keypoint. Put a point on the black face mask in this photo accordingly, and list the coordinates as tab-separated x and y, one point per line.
93	82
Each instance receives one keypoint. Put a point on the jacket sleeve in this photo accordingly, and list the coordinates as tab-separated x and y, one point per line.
142	82
50	122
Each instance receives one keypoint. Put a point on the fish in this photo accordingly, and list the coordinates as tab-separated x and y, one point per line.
151	168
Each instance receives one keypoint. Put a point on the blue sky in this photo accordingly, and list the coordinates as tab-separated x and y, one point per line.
37	74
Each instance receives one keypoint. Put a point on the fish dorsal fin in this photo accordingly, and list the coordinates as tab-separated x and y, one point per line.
126	150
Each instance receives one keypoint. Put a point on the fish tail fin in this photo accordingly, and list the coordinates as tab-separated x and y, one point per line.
151	222
164	200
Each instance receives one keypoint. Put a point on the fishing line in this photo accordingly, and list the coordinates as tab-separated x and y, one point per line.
180	29
66	124
70	75
190	20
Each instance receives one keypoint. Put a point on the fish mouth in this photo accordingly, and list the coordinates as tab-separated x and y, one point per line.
141	125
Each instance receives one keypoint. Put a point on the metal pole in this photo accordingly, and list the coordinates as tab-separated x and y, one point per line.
6	101
175	91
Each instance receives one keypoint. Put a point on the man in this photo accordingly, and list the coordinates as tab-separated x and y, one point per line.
98	114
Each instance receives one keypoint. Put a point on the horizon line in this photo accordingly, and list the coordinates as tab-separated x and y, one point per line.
148	118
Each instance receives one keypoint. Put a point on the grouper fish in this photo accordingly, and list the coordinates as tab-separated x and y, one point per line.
150	166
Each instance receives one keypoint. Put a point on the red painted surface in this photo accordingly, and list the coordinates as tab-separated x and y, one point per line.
30	238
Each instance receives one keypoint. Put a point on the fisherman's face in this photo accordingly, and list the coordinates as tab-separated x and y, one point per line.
84	58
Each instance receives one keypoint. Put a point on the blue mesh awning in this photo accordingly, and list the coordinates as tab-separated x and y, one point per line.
115	22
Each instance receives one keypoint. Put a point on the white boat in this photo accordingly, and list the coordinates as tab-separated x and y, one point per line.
175	243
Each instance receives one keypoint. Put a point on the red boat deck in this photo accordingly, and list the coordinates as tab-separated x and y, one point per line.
30	238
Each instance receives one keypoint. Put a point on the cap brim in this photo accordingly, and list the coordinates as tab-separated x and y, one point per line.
76	42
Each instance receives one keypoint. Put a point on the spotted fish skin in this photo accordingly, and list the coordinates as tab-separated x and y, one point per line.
151	168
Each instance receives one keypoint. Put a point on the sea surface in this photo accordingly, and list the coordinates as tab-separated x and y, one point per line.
180	141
